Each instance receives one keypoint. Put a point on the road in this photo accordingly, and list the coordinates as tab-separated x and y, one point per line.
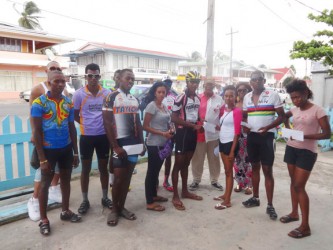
14	107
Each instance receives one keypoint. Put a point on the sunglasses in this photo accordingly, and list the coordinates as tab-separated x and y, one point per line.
55	69
196	81
242	90
95	76
129	78
257	79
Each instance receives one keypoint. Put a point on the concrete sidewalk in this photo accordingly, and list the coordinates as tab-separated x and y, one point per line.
200	226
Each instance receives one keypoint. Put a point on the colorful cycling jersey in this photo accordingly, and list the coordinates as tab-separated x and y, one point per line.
55	119
263	113
188	107
168	101
125	108
90	107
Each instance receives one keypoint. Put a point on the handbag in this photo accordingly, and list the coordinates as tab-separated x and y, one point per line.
166	150
34	159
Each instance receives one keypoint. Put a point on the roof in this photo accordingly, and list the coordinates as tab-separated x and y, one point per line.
94	46
42	36
283	72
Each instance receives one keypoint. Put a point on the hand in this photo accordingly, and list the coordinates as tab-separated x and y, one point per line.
246	130
167	134
143	151
120	152
262	131
197	127
45	166
76	161
231	156
32	139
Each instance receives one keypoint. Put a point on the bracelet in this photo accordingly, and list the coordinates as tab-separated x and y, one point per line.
42	162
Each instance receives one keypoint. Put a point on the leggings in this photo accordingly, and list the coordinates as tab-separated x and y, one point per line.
154	167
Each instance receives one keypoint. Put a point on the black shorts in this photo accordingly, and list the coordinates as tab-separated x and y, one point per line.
260	148
89	143
62	156
301	158
225	148
185	140
131	159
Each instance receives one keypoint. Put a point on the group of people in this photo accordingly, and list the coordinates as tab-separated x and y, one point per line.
239	125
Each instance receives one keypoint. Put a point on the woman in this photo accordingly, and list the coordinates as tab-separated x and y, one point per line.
156	123
230	130
301	156
242	167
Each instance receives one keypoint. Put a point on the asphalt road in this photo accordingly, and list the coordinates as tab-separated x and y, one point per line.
17	107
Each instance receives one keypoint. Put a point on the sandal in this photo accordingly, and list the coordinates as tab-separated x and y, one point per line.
248	191
70	216
287	218
156	208
127	214
220	206
178	205
112	219
44	228
160	199
298	234
192	197
237	189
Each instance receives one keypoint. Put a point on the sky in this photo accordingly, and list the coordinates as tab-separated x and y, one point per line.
264	29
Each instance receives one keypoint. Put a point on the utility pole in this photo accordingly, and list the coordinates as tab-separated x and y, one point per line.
210	38
231	48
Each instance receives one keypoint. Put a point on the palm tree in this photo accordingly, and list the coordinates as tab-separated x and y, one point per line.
28	19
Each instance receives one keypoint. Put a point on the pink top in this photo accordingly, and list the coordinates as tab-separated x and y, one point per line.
308	122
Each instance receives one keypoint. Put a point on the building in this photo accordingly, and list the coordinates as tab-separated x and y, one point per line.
23	57
241	72
282	75
148	66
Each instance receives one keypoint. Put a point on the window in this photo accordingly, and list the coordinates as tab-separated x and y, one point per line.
10	44
15	80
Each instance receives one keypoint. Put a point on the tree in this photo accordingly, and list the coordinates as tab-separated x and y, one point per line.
287	81
218	55
196	56
262	66
28	18
292	67
317	50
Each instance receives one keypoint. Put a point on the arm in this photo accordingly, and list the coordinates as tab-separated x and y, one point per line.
325	130
110	126
175	119
276	122
77	115
140	133
36	91
231	156
286	119
73	135
146	127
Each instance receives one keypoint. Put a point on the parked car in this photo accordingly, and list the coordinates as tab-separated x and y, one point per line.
26	94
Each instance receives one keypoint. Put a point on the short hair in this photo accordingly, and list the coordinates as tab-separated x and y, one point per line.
299	85
229	87
92	66
245	84
54	72
258	72
47	65
122	71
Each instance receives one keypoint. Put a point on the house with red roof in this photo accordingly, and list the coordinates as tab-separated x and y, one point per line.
280	77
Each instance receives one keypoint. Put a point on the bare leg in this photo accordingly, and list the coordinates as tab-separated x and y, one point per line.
269	183
294	200
104	175
65	185
86	168
44	193
229	180
255	178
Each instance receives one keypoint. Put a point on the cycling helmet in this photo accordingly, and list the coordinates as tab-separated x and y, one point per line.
193	76
167	80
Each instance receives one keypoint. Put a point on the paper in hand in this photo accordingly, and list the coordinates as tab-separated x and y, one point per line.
133	149
209	127
294	134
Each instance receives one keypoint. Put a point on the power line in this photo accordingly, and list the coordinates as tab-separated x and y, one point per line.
308	6
104	26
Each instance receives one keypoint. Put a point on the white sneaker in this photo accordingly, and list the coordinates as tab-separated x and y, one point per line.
33	209
55	194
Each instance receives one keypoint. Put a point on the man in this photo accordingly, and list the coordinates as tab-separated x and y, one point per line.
88	102
207	141
123	128
185	116
52	116
54	192
260	107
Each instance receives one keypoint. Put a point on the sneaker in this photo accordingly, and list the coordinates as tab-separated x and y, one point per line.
55	194
70	216
194	186
218	186
252	202
33	209
85	205
271	212
106	202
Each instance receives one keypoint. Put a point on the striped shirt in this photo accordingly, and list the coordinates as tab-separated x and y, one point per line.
263	113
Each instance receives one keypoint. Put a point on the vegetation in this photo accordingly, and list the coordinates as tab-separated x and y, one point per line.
28	18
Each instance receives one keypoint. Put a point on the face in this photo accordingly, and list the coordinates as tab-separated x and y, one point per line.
53	66
242	91
57	82
209	88
229	97
126	81
160	93
298	98
192	85
257	81
92	77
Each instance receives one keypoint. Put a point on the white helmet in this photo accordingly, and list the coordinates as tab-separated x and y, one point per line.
165	77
